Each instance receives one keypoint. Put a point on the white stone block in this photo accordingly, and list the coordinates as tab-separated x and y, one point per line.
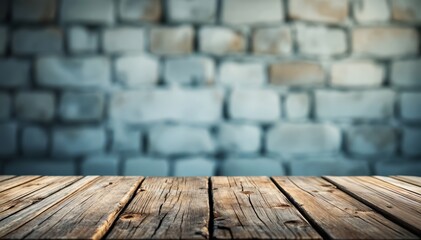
252	167
26	41
220	41
287	139
34	141
411	142
410	106
334	168
320	40
105	165
408	11
239	139
82	40
139	10
126	140
76	73
194	167
142	166
76	141
171	40
194	11
371	104
406	73
297	106
123	39
237	74
371	11
371	140
81	106
199	106
273	41
259	105
252	12
33	11
180	140
137	71
189	70
357	73
90	12
14	73
297	73
325	11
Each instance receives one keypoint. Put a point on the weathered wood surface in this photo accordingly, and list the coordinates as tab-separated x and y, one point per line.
166	208
338	215
253	208
202	208
86	213
409	179
401	205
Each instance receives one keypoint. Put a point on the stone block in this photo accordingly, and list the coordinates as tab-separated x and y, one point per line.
190	167
123	39
408	11
410	106
385	42
398	168
242	74
105	165
297	106
82	40
411	142
8	139
81	106
405	73
73	73
171	40
273	41
35	106
357	73
126	140
94	12
193	11
196	70
371	11
371	140
221	41
14	73
256	105
252	167
296	73
139	10
366	104
26	41
180	140
239	138
288	139
5	106
33	11
45	167
325	11
77	141
320	40
252	12
34	141
142	166
323	168
199	106
137	71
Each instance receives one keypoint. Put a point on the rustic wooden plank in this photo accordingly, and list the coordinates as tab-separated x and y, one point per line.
401	184
24	195
18	219
166	208
410	179
13	182
396	203
87	213
337	214
6	177
253	208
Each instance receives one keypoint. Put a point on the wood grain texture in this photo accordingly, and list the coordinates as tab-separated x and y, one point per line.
396	203
6	177
166	208
86	213
253	208
402	184
338	215
13	182
409	179
24	195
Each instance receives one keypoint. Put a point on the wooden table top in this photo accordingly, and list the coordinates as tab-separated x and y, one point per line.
216	207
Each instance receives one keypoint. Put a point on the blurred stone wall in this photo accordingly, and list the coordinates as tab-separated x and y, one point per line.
210	87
